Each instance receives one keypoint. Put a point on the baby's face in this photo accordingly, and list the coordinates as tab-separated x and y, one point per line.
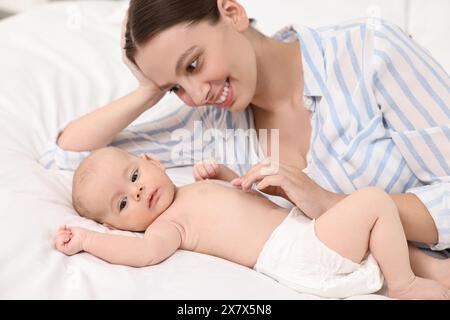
131	191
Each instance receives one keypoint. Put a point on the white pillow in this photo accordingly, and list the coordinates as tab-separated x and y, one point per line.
429	25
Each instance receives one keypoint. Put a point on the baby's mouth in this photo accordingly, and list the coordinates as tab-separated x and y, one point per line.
153	198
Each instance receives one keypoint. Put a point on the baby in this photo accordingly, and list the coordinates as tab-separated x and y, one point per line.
328	256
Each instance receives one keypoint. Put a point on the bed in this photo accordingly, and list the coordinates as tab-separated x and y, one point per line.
57	62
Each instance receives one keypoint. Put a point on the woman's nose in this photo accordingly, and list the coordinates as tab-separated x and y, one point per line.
138	194
199	93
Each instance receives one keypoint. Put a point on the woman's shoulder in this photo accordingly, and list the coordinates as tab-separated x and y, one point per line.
287	33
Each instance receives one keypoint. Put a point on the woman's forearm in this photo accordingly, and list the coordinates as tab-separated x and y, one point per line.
98	128
416	219
417	222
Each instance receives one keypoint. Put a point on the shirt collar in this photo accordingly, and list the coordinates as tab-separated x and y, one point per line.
312	56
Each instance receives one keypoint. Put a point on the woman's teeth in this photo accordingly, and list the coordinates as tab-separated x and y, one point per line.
224	95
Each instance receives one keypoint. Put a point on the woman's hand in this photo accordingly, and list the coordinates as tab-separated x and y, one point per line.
144	82
290	183
70	240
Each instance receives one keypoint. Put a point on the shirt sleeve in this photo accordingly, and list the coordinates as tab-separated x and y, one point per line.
413	92
54	157
181	138
152	137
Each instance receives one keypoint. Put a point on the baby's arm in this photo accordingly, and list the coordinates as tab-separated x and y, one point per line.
161	240
210	169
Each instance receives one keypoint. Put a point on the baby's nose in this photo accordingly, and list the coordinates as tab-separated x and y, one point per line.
139	194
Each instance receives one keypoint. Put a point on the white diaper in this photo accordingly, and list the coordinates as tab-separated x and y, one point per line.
295	257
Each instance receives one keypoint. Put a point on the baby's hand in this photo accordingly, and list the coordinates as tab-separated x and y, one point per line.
206	169
70	240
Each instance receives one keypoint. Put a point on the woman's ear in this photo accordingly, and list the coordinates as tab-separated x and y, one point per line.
233	12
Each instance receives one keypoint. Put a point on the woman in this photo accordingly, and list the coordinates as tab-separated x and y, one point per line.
356	105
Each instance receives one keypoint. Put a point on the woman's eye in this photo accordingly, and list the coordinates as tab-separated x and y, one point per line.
135	175
123	203
192	66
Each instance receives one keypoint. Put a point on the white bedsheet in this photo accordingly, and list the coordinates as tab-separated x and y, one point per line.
57	63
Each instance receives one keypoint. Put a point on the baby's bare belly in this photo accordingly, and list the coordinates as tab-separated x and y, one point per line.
224	221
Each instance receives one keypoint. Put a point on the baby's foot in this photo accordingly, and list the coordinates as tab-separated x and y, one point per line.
421	288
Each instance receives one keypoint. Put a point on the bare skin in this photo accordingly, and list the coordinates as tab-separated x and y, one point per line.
426	266
230	223
264	74
383	235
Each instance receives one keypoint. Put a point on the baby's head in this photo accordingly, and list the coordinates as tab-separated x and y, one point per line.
120	190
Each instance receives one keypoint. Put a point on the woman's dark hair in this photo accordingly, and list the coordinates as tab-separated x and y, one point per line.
146	18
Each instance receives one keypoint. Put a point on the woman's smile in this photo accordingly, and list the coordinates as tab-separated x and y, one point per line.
226	96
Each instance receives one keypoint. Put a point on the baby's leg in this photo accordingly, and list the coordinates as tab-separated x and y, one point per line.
429	267
369	219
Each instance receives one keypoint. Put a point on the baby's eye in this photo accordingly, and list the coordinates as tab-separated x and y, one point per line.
123	203
174	89
135	175
192	66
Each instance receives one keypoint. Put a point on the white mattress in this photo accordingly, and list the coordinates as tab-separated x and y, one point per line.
57	63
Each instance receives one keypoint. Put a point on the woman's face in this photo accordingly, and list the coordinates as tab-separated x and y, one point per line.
204	64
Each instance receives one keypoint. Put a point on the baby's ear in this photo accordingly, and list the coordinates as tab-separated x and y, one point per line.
155	161
109	226
159	164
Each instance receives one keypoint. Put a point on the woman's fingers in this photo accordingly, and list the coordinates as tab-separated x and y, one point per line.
133	68
274	185
236	182
123	31
270	181
258	172
244	180
255	174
